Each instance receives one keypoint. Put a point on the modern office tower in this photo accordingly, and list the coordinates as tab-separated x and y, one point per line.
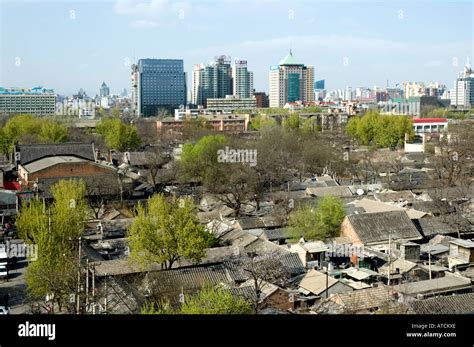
319	85
462	95
104	90
37	101
212	80
242	80
290	81
158	84
309	97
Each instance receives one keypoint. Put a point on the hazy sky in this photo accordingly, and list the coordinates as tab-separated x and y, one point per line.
66	45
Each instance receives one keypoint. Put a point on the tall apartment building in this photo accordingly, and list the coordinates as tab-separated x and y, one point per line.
242	80
158	84
211	81
462	95
290	81
36	101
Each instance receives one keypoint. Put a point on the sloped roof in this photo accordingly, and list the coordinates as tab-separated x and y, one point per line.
437	285
47	162
339	191
453	304
404	195
431	226
376	227
364	299
402	265
29	153
290	60
315	282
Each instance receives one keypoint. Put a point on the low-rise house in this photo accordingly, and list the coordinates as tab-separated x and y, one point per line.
360	274
318	283
460	252
338	191
377	299
449	284
377	228
452	304
400	198
431	226
313	252
400	270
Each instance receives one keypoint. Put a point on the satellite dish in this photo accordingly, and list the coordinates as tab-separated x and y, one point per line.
360	191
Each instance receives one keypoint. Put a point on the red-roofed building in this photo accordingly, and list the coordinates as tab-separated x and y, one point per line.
430	125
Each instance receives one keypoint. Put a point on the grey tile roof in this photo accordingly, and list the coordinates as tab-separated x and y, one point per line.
453	304
404	195
34	152
364	299
339	191
430	226
375	227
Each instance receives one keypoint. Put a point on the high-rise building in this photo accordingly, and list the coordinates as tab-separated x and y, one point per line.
36	101
242	80
290	82
104	90
319	85
211	81
158	84
462	95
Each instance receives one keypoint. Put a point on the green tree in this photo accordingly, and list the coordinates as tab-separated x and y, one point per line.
260	121
118	135
380	130
51	131
292	121
55	231
208	300
200	160
215	301
165	231
319	221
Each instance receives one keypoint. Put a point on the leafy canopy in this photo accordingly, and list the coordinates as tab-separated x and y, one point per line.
165	231
319	221
118	135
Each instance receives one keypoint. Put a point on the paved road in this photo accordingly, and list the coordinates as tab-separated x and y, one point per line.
15	287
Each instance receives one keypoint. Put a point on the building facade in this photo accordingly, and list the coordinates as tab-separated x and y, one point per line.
158	84
36	101
262	99
212	80
290	81
462	95
242	80
104	90
231	104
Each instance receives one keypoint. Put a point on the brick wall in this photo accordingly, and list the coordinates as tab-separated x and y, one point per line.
71	170
348	231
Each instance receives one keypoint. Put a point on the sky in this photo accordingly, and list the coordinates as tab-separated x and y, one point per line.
66	45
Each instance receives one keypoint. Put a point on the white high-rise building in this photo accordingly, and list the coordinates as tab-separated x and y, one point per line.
462	95
290	81
242	80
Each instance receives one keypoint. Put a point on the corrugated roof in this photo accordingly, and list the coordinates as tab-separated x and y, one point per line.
364	299
315	282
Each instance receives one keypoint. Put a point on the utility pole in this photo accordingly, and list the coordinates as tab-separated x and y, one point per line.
78	277
429	260
389	256
87	285
93	289
105	300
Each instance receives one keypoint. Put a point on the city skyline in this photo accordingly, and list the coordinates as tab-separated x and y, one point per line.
365	43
